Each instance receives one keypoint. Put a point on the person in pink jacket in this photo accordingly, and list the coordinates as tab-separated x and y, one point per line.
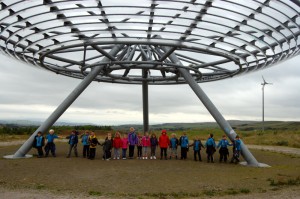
146	144
125	144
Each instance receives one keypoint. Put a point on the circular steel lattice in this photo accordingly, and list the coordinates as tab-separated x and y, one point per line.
213	39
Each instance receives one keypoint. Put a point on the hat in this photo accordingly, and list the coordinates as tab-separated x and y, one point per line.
164	131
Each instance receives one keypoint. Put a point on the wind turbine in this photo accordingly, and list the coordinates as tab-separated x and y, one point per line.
263	101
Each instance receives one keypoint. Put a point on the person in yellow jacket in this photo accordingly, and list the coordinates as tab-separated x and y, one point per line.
93	143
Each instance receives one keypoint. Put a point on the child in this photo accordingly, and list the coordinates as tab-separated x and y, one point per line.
133	140
210	148
73	140
154	143
117	144
85	144
223	150
237	150
173	146
50	146
93	141
125	144
163	143
107	146
197	148
184	144
146	144
139	146
39	142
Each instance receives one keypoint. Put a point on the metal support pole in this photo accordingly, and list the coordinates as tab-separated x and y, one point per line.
25	148
145	103
250	159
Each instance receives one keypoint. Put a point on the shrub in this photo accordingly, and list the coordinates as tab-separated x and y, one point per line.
245	191
95	193
282	143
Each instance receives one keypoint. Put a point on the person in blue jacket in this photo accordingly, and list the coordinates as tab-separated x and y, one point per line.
173	146
210	148
38	143
73	140
184	144
86	144
237	150
223	143
197	145
50	145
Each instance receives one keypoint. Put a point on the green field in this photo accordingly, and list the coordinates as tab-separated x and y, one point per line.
276	133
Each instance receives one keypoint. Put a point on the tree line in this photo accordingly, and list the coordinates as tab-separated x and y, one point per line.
12	129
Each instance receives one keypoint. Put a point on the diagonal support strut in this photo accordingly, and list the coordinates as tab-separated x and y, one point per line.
25	148
250	159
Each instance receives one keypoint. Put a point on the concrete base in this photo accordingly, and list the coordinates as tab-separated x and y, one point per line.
261	165
13	156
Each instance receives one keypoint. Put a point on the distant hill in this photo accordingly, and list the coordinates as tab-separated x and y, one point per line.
183	126
236	124
38	123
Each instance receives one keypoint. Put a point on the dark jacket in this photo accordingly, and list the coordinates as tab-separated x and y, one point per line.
73	139
197	145
37	142
93	141
108	144
153	141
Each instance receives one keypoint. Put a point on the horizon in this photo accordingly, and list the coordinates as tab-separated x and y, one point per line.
124	124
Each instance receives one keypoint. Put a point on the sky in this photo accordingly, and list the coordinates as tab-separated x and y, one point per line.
31	93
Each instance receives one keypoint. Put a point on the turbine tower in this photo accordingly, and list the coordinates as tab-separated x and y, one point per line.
263	102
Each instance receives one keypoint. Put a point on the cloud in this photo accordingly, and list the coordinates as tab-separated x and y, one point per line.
27	92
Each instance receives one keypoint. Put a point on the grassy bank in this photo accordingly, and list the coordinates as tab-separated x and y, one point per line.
276	133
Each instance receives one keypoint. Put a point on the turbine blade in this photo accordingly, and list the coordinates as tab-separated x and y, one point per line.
264	79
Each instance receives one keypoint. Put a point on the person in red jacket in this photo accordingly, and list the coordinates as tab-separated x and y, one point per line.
163	142
117	144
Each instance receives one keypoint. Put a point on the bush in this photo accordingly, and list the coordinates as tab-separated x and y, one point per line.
282	143
245	191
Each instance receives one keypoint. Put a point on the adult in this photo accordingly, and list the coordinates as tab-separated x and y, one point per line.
50	145
86	144
210	148
93	144
163	142
73	141
132	140
223	150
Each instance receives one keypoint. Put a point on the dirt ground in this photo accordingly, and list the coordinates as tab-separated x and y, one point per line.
73	177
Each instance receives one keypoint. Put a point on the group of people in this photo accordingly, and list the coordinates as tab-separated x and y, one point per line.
146	146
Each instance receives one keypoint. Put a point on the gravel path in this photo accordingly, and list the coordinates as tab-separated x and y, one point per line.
279	149
72	168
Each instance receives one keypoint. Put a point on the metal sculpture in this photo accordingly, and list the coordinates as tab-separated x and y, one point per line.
150	43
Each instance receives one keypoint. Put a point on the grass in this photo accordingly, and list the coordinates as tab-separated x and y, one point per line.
276	133
95	193
152	179
285	181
